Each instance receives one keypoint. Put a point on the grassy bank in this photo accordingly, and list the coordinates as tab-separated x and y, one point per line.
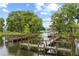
66	34
10	33
17	33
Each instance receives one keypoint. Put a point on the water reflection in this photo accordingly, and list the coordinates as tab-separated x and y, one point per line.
77	48
12	49
3	49
1	41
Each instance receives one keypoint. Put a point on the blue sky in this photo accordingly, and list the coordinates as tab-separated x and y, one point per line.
43	10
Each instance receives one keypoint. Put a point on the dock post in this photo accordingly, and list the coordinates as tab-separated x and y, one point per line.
28	43
46	43
73	47
44	49
12	41
21	40
38	46
56	47
17	40
38	49
76	49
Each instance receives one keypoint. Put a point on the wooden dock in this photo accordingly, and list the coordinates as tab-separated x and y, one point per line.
19	37
45	47
39	45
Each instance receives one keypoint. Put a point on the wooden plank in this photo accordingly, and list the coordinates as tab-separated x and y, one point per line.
63	42
16	37
48	47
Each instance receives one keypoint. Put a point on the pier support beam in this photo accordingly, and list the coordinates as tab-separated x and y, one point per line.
73	47
56	47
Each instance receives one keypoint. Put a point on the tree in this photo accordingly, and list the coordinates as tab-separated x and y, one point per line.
27	29
1	24
64	18
58	23
70	14
23	21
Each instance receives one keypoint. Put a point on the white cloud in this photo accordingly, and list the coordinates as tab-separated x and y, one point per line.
49	7
46	8
5	10
39	6
46	22
47	19
43	13
52	7
4	5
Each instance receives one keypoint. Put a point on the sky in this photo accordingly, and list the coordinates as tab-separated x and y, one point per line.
43	10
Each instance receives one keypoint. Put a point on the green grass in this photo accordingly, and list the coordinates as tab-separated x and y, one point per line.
16	33
66	34
10	33
63	34
76	34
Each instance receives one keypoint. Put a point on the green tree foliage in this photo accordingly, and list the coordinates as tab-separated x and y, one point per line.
64	19
23	21
1	24
70	14
27	29
58	22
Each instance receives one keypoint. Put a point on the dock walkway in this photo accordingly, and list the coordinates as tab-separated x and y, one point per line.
45	47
